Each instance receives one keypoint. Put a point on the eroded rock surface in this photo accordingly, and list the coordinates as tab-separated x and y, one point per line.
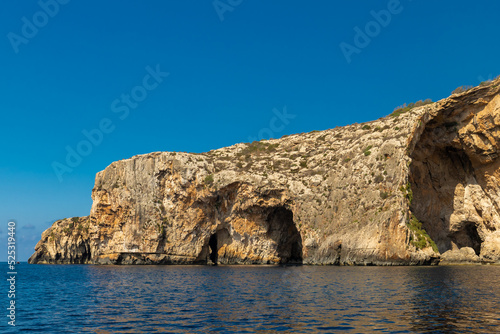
455	173
464	255
65	242
374	193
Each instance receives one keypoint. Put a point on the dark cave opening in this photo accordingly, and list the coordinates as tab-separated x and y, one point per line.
467	236
283	231
216	241
212	244
280	231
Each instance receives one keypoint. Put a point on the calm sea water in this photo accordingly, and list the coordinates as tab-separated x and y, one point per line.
255	299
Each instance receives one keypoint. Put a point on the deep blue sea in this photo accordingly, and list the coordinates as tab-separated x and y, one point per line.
254	299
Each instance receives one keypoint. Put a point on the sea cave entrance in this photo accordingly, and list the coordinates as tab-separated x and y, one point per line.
282	229
212	244
216	241
467	236
439	174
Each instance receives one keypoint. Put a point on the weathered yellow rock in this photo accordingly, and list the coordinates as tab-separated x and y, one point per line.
455	171
361	194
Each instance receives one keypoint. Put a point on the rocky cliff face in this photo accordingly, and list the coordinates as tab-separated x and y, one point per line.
398	190
455	173
65	242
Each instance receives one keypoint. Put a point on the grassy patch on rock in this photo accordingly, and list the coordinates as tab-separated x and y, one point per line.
419	237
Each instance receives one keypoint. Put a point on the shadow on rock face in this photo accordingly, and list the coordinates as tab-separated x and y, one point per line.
283	231
280	232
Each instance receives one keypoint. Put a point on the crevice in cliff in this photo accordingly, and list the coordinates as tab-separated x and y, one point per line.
213	251
212	244
85	254
218	241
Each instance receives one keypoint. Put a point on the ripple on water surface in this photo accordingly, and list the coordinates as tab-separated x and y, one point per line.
262	299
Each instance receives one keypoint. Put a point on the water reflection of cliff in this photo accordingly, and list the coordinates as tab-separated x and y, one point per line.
450	299
131	299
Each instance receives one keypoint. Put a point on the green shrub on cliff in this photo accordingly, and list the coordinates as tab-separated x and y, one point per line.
461	89
257	147
419	238
367	151
405	108
209	179
406	190
161	229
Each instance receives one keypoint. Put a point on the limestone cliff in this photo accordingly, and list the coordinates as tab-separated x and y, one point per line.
66	241
398	190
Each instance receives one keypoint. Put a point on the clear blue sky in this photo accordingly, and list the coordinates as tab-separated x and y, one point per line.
229	67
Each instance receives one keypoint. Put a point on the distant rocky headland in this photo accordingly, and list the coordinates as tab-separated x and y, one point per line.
420	186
